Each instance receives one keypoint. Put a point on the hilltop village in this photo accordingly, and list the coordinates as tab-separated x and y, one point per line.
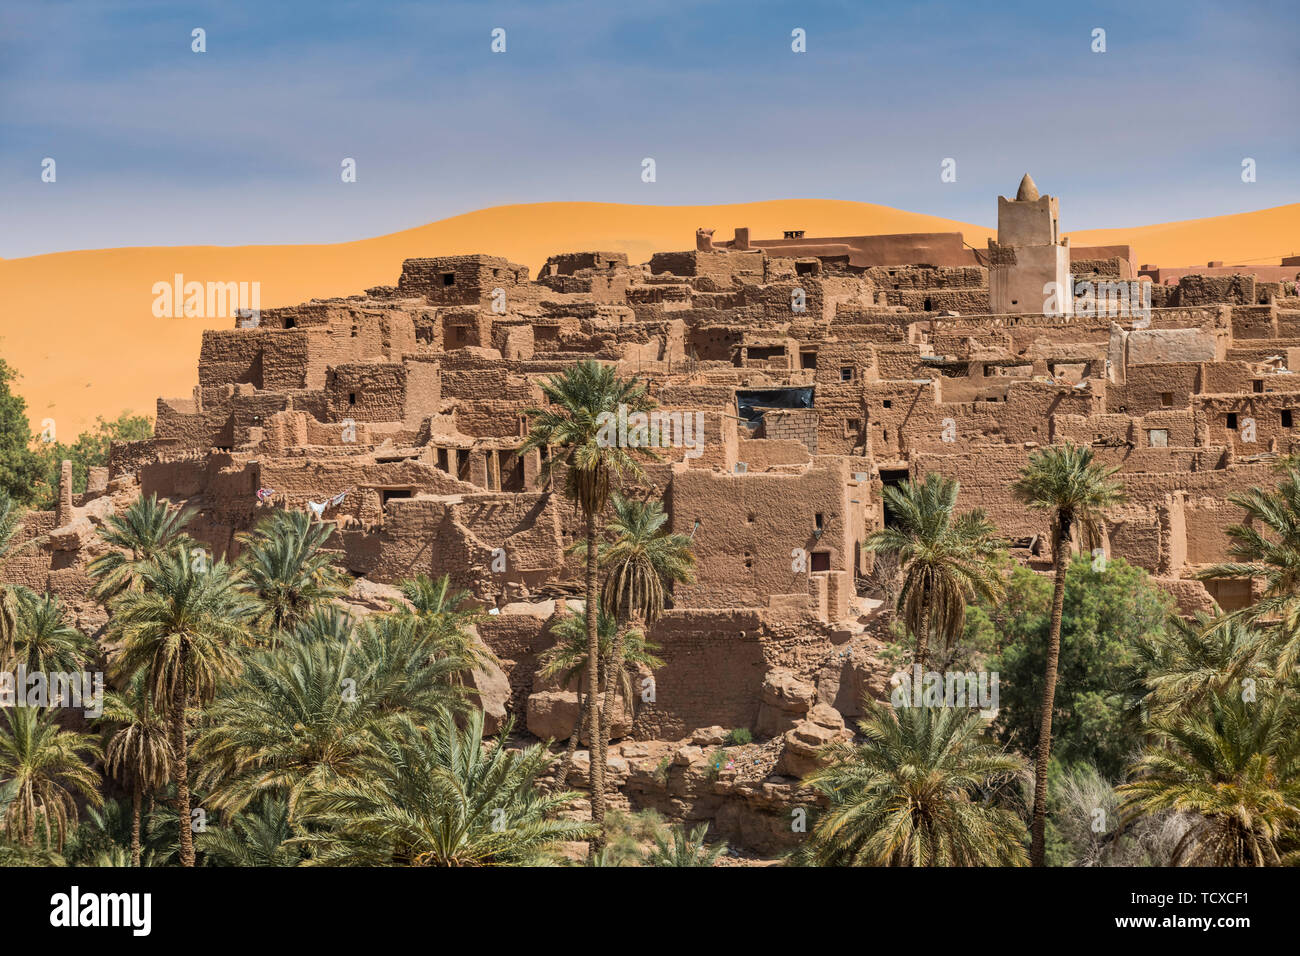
794	377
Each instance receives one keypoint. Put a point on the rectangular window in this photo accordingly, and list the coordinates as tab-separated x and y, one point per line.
1232	421
846	373
1286	418
1257	385
821	560
449	278
1158	438
1167	399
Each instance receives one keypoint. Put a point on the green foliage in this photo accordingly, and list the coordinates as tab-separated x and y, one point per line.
88	451
678	848
1106	614
947	558
912	794
436	796
21	468
738	737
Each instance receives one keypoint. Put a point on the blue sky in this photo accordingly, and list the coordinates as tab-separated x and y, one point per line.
157	145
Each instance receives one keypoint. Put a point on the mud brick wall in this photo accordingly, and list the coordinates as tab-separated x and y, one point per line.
750	525
713	670
794	424
370	392
472	278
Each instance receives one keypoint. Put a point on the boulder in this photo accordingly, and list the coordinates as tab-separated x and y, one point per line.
492	693
783	701
553	713
801	752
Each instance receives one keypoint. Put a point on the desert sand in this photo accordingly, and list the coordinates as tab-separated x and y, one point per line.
79	327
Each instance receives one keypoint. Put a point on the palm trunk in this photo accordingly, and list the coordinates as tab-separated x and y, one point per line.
923	637
607	711
179	768
1038	847
597	779
567	763
136	799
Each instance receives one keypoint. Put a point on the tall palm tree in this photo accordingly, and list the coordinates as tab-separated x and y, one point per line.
1064	480
139	748
180	631
567	660
1267	546
45	640
147	529
947	558
258	837
910	795
642	563
677	848
285	569
436	796
1236	770
46	772
575	427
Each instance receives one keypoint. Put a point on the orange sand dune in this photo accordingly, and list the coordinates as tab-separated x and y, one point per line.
79	325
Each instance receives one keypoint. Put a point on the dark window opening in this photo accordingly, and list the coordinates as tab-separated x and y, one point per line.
1167	399
819	521
805	268
807	359
290	323
352	398
887	403
846	373
462	464
1257	385
1286	418
443	461
892	477
388	494
449	278
512	471
1232	421
927	303
821	560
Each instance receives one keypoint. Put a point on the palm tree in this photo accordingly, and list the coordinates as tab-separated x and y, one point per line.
676	848
642	562
286	571
1267	546
47	772
910	795
445	618
258	837
139	748
1186	660
576	426
567	659
296	716
436	796
179	631
1236	770
146	530
1065	480
45	640
947	558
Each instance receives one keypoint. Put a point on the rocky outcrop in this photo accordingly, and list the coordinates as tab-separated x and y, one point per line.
802	754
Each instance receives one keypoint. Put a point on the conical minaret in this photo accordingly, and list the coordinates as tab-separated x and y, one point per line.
1027	191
